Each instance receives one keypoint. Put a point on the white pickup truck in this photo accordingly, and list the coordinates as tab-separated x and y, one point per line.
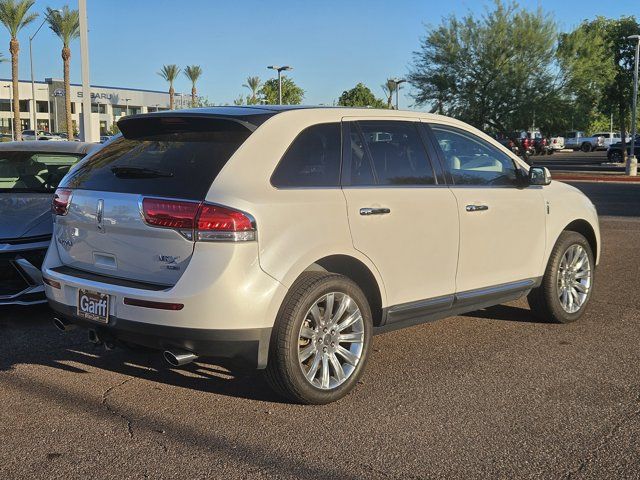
577	140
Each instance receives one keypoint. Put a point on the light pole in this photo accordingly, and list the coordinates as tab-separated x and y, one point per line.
280	70
84	60
398	82
632	161
13	135
126	101
33	85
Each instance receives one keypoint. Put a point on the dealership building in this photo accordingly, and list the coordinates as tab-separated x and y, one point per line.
108	105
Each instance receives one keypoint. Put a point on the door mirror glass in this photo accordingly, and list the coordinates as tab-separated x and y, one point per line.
539	176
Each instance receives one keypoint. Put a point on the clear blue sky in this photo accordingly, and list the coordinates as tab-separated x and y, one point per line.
332	44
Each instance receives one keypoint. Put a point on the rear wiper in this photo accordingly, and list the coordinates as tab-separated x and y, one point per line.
139	172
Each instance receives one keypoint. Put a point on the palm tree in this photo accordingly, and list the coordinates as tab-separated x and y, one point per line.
65	24
253	84
389	88
14	16
193	72
170	73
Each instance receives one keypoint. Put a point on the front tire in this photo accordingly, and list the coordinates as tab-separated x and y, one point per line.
586	147
568	281
321	339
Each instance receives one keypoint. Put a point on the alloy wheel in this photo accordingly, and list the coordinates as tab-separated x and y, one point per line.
331	340
574	278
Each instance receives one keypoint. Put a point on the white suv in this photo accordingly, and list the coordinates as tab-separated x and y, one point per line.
283	238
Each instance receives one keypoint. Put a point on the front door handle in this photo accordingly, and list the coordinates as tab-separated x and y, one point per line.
476	208
374	211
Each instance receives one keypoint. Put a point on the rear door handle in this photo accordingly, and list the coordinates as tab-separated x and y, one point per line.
476	208
374	211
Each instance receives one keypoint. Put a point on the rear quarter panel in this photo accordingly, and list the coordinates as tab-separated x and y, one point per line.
296	226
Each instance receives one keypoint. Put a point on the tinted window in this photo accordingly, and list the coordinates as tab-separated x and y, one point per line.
29	171
472	161
312	160
397	153
169	157
361	170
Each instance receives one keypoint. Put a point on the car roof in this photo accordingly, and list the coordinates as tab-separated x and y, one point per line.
47	146
253	116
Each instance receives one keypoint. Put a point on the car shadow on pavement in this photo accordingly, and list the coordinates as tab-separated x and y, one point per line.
28	337
507	313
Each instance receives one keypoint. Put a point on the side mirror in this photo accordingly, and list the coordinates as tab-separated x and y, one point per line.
539	176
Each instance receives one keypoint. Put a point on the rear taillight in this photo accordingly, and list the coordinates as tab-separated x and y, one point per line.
199	221
61	201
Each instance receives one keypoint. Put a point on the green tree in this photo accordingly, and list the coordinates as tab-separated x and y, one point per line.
253	84
170	73
65	24
239	100
193	73
495	71
292	94
389	88
360	96
14	15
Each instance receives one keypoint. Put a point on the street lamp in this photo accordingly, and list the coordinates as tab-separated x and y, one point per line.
126	101
279	70
398	82
13	135
632	161
33	85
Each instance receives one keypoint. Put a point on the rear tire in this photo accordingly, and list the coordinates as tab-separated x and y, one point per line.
570	270
615	157
586	147
321	339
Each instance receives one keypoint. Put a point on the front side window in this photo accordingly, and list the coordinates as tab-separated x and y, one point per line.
312	160
472	161
33	172
397	154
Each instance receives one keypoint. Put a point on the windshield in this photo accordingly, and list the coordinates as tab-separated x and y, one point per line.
33	172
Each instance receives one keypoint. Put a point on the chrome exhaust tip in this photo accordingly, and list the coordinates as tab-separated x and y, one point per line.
63	325
178	358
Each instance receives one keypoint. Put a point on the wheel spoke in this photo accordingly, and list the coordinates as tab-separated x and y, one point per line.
315	313
311	373
306	352
583	273
337	367
351	337
345	301
324	374
350	320
328	310
306	332
580	287
347	355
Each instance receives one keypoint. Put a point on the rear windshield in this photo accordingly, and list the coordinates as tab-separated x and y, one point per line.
168	157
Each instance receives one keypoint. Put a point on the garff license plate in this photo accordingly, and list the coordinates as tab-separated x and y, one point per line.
93	306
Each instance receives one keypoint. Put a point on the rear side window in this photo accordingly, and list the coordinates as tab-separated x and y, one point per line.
394	150
312	160
168	157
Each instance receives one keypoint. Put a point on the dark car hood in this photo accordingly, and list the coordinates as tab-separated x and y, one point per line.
25	215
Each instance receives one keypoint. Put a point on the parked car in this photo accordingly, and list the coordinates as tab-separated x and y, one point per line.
557	143
42	135
29	174
294	234
609	138
577	140
614	152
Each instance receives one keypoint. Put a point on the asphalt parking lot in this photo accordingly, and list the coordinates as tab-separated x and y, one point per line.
490	394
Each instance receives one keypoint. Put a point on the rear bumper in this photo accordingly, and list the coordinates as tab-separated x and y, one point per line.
20	277
243	348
